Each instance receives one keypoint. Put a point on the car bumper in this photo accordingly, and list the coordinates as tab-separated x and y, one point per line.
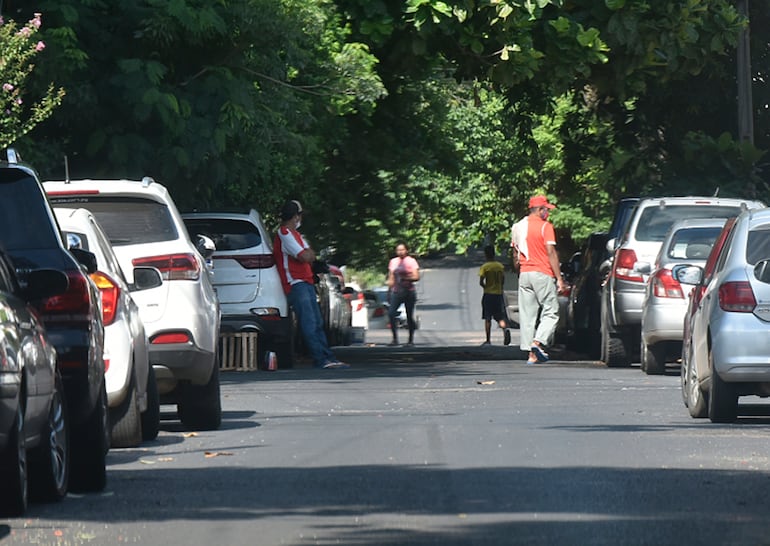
663	322
175	362
628	307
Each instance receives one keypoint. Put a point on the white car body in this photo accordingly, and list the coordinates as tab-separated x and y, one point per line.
126	357
181	316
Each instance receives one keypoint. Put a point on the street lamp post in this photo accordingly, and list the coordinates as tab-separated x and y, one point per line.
745	108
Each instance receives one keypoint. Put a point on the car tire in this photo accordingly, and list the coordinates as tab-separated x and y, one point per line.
614	353
151	416
695	399
49	462
13	470
90	443
126	419
653	358
722	399
200	406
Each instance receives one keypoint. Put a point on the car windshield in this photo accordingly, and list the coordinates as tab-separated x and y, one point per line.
227	234
22	210
127	220
692	243
655	222
758	245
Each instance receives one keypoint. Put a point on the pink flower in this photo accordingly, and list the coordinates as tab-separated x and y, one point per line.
1	20
18	101
40	46
26	32
36	21
7	87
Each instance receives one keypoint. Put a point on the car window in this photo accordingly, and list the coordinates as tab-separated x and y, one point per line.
654	222
127	220
24	218
692	243
758	244
227	234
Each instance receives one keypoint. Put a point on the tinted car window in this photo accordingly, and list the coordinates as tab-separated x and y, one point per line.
654	222
226	234
127	220
22	209
758	245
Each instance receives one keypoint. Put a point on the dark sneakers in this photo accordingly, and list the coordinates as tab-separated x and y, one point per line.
506	337
539	353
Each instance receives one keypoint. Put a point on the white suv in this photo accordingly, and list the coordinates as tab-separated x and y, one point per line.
132	392
181	317
246	279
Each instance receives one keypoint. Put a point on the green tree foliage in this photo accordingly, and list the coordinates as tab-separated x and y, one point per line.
228	103
430	121
18	47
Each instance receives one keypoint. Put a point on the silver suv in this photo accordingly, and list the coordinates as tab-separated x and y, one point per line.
181	316
633	255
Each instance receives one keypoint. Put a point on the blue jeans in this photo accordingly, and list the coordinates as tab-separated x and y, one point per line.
302	299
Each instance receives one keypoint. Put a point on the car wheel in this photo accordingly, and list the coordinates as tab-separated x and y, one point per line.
200	406
90	443
722	399
653	359
13	470
126	420
694	395
49	462
614	350
151	416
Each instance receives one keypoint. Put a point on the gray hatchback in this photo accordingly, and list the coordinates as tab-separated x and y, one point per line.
665	298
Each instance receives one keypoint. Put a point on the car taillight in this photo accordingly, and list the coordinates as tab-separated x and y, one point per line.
74	304
737	297
110	296
173	267
170	337
623	267
250	261
664	285
379	312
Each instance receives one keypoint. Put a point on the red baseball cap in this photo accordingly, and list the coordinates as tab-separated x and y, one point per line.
540	201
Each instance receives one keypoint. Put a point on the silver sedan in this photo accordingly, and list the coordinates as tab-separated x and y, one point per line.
726	353
664	305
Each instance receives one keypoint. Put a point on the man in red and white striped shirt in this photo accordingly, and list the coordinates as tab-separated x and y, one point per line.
294	257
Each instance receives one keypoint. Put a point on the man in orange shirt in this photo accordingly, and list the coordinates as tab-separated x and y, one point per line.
534	240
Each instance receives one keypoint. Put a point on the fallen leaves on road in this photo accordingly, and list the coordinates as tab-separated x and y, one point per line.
190	435
209	454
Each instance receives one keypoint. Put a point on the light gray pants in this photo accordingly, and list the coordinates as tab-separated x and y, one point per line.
537	296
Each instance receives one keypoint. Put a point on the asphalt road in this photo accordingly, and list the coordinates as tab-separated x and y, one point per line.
445	443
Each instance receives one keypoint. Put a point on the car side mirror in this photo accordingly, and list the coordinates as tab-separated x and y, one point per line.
688	274
146	278
645	268
205	246
611	245
85	258
762	271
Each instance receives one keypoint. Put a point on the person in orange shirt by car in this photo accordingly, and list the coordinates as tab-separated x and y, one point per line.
534	241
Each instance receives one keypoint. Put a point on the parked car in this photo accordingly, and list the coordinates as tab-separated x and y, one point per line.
665	298
73	320
247	281
34	428
335	308
181	317
726	353
623	291
377	307
583	314
132	392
